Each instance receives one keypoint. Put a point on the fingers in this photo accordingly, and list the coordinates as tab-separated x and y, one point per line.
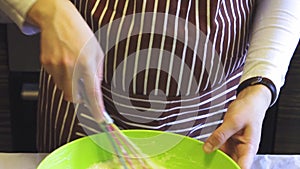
240	151
221	135
92	87
239	134
245	162
88	74
67	88
62	77
248	150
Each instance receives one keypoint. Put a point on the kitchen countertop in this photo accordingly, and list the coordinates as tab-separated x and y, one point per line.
31	161
20	160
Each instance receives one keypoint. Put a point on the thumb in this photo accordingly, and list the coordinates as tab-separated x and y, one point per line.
220	136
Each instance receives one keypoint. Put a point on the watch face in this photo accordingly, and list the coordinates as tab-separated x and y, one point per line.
256	80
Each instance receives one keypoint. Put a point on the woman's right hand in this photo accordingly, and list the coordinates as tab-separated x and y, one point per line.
66	41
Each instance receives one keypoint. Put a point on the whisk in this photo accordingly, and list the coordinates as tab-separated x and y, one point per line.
123	147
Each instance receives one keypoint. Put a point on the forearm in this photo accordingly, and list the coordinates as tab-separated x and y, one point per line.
17	11
275	35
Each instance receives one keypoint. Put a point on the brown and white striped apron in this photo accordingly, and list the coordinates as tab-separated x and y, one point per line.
170	65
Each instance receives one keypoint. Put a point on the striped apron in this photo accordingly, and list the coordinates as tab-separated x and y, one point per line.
170	65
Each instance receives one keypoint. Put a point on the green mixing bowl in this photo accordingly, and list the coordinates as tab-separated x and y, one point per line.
172	151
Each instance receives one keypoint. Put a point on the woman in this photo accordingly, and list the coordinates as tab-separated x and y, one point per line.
167	65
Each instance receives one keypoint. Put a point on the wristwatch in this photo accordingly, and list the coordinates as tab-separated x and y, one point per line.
259	80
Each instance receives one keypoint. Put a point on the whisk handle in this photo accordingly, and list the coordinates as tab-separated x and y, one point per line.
107	118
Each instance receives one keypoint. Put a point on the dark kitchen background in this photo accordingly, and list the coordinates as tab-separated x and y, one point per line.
19	75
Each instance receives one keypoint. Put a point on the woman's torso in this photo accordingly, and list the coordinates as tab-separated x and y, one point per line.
170	65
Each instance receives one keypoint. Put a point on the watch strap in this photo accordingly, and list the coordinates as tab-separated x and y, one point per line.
259	80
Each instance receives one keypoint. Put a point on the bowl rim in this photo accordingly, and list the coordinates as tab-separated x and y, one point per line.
137	130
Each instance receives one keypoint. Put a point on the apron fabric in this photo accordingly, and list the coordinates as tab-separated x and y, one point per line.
169	65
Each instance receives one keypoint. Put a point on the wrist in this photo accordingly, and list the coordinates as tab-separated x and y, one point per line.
43	12
261	92
261	81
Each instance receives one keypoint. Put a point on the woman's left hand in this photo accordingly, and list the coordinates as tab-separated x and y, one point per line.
239	135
